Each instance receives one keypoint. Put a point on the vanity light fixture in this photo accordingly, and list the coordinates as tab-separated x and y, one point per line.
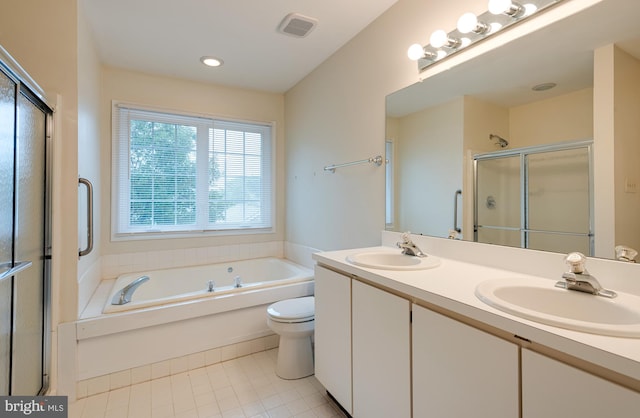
211	61
472	28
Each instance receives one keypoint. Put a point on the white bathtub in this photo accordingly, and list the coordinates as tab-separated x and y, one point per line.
173	315
181	284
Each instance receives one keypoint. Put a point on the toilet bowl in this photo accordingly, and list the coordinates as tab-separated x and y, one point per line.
293	320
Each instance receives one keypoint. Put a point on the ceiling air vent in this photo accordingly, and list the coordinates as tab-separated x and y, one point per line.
297	25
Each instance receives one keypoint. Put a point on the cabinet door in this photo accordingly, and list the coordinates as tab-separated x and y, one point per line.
381	353
333	334
551	389
459	371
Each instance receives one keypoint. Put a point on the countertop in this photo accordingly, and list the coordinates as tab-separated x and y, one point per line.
451	286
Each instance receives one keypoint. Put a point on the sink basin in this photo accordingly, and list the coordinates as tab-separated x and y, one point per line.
387	260
539	300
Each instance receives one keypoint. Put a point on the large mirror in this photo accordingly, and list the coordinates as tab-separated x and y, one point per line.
437	126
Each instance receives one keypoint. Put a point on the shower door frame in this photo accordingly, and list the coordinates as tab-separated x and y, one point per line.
25	86
522	153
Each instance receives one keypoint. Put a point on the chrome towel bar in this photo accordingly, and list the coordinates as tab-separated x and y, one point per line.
377	160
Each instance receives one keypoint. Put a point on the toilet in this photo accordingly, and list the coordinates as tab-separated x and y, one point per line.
293	320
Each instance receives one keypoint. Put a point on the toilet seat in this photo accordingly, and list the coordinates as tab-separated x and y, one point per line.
293	310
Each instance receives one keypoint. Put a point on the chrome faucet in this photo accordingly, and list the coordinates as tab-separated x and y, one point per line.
408	247
578	278
124	295
211	286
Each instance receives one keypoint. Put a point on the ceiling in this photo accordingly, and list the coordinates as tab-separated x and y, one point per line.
168	37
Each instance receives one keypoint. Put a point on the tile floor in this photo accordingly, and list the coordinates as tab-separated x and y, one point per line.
245	387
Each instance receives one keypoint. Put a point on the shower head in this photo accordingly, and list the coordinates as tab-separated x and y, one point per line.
503	143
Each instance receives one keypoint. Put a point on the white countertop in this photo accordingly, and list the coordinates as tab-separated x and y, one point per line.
452	285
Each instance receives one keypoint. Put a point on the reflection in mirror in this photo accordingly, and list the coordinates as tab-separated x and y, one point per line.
536	197
436	127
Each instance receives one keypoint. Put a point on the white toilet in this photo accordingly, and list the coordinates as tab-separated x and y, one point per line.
293	320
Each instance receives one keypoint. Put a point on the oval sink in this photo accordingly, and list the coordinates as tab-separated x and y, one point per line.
385	260
539	300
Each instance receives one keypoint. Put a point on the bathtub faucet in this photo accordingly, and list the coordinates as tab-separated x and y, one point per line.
124	295
211	286
237	281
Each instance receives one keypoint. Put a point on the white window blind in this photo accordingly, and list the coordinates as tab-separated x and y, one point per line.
176	173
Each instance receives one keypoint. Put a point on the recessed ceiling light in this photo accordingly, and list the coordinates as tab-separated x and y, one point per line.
543	86
211	61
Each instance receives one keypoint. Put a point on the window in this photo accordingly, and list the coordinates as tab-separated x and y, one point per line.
187	174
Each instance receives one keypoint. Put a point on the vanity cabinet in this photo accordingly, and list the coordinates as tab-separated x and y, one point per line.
460	371
551	389
381	353
333	334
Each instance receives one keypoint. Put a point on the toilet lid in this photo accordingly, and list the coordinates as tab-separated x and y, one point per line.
293	309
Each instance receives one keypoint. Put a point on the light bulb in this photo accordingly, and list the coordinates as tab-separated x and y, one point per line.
439	38
415	52
499	6
467	22
530	9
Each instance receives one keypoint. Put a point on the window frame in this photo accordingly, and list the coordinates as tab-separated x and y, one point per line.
120	171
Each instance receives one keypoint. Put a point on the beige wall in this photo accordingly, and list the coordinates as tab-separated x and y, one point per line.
627	148
88	140
337	114
429	168
42	36
568	117
185	96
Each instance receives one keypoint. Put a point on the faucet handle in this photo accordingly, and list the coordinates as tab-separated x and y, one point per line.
406	236
576	262
624	253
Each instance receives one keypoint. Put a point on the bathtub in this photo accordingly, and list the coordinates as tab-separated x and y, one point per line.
182	284
173	315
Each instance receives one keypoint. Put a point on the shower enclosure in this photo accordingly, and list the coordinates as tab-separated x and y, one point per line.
25	121
536	197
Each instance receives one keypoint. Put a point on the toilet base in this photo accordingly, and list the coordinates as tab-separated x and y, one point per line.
295	358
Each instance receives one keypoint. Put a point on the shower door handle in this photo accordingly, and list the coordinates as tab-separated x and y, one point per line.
455	211
89	247
17	268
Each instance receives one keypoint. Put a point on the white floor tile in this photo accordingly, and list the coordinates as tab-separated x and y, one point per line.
246	387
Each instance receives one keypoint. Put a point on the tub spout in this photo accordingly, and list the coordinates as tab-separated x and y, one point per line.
237	282
124	295
211	286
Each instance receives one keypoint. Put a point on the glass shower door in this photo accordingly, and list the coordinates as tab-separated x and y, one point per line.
559	202
24	239
7	131
536	197
498	201
29	285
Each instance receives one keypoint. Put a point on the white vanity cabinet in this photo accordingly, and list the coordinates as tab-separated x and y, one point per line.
333	334
460	371
551	389
381	353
